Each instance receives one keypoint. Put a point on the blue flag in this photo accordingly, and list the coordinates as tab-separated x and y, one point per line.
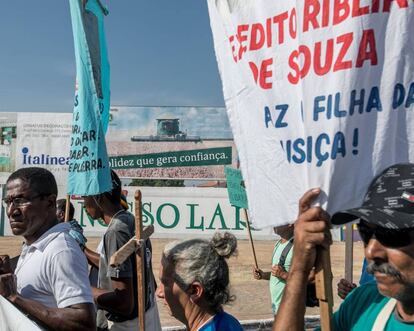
89	172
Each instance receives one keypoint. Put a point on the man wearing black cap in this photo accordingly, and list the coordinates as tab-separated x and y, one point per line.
386	225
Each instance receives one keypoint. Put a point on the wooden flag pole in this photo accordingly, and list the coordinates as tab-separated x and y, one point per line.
67	208
140	260
349	252
323	282
250	237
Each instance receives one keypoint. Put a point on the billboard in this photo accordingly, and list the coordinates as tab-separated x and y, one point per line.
170	142
176	212
142	142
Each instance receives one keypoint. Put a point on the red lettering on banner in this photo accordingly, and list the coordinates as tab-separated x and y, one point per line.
257	31
341	11
319	69
280	21
357	10
324	61
316	14
367	49
300	73
293	24
233	48
307	60
264	74
294	77
242	38
346	41
400	3
310	12
375	6
269	32
254	70
325	13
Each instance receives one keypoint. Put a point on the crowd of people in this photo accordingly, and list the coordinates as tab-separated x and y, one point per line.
52	283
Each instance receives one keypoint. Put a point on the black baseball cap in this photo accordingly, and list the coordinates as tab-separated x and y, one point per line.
389	202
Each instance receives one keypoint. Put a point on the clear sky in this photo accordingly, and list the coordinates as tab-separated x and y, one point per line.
161	53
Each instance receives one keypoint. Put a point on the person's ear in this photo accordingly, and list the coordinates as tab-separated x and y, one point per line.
51	200
196	292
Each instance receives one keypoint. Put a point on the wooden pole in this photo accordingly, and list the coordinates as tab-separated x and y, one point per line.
140	261
67	208
250	237
349	252
323	282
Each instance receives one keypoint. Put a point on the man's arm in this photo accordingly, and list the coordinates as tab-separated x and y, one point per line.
120	300
92	257
311	230
76	317
260	274
279	272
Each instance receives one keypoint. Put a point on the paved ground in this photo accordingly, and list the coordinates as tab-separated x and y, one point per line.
252	296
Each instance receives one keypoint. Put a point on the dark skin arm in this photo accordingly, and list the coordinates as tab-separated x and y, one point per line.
76	317
92	257
260	274
120	300
311	230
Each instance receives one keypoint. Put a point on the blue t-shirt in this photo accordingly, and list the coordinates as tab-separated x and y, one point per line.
222	322
360	310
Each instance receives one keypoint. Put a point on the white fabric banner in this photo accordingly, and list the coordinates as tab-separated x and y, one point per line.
318	93
12	319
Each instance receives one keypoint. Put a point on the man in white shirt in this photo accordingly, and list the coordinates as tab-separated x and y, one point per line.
50	282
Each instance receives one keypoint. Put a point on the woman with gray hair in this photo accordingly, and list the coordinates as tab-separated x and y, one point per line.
194	285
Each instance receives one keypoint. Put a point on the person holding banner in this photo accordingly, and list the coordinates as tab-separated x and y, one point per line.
386	225
50	282
116	294
194	280
281	261
280	269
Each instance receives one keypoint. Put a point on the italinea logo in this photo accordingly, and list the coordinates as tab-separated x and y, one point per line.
43	159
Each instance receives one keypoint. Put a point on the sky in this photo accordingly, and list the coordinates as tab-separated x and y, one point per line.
203	122
161	53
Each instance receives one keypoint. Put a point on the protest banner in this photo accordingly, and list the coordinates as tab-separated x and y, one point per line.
13	319
318	94
235	188
88	171
238	198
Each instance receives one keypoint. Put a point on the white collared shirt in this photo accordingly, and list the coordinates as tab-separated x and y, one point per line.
53	270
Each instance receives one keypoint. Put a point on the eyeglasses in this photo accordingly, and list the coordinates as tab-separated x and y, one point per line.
393	238
19	202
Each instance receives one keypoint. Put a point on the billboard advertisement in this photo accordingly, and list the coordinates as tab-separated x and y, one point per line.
170	142
142	142
176	212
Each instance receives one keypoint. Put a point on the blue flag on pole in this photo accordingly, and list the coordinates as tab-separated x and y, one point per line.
89	172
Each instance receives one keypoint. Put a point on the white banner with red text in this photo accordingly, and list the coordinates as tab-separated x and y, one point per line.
319	93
